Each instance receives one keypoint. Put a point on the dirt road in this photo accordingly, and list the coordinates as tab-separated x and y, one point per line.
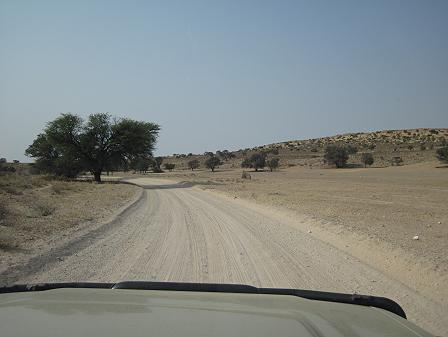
176	232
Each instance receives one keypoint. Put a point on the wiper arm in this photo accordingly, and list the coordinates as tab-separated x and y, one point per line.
365	300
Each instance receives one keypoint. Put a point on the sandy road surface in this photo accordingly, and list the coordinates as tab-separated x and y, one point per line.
179	233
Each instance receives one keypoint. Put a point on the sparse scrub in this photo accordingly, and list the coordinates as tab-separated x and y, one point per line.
273	163
442	154
336	155
351	149
44	208
169	166
59	187
212	163
255	161
3	212
396	161
193	164
367	159
156	164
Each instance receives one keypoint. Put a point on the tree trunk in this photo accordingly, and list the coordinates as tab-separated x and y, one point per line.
97	176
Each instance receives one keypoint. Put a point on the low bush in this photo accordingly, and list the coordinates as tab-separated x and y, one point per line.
442	154
336	155
44	209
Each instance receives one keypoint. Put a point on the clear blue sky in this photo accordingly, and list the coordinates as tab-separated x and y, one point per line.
224	74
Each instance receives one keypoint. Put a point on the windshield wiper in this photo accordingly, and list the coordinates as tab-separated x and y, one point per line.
365	300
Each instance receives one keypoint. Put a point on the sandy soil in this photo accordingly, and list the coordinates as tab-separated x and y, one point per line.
41	214
388	206
175	232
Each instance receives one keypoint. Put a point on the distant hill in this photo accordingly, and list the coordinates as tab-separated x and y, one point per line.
412	145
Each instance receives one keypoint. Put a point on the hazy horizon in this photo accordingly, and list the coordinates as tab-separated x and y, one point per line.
224	75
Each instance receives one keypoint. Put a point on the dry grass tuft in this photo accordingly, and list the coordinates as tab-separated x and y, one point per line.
3	212
16	183
59	187
44	208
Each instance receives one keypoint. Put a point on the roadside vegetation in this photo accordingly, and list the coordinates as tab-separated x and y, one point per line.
35	208
70	145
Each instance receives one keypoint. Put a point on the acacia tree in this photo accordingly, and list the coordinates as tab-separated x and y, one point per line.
255	161
70	145
212	163
193	164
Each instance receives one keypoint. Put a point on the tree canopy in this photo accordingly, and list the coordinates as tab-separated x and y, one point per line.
193	164
212	163
273	163
255	161
337	155
70	144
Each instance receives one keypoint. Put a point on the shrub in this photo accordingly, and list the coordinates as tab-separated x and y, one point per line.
193	164
255	161
351	149
156	164
273	163
3	211
367	159
396	161
336	155
246	175
59	187
212	163
442	154
169	166
45	209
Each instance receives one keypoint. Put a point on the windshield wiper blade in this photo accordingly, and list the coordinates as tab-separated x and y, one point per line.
364	300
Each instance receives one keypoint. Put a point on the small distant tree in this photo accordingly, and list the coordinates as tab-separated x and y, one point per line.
15	161
157	164
367	159
209	154
351	149
3	161
442	154
193	164
336	155
169	166
141	164
273	163
212	163
255	161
